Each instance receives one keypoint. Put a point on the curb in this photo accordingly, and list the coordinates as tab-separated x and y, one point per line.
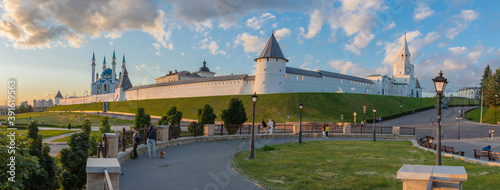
254	181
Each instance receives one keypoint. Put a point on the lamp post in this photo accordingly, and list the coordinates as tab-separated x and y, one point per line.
481	119
459	119
374	112
496	96
440	84
364	105
401	101
252	141
354	116
300	124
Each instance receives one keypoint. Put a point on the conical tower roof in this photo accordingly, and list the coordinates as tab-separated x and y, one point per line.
58	95
272	50
124	81
404	47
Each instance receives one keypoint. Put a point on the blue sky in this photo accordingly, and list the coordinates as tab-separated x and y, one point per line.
47	46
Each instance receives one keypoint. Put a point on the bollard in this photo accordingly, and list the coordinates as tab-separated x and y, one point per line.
123	139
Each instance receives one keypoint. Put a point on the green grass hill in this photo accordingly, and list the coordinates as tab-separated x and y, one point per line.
317	106
56	119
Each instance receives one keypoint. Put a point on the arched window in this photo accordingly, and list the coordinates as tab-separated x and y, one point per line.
105	89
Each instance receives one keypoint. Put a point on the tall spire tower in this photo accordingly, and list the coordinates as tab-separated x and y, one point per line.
93	67
271	69
403	65
123	64
104	64
113	64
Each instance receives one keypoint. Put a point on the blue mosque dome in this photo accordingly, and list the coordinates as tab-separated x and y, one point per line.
108	71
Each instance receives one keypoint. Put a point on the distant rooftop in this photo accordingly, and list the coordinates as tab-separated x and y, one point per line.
272	50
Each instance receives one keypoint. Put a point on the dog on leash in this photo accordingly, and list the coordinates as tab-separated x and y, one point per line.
162	154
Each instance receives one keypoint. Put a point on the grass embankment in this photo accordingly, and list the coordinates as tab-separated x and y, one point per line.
56	119
349	165
44	133
456	101
65	139
317	106
488	114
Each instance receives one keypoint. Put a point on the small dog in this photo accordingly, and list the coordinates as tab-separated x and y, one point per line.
162	154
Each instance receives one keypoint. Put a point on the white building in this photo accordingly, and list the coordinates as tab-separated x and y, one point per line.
107	82
271	76
470	92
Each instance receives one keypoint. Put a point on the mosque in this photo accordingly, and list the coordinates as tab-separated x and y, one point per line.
271	76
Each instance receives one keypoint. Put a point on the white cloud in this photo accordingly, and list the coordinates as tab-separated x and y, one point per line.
460	22
422	11
282	33
314	24
137	67
182	53
41	24
390	26
415	43
212	46
256	22
347	67
359	42
457	50
250	43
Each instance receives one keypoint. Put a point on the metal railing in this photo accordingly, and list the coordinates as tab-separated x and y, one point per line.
430	183
107	181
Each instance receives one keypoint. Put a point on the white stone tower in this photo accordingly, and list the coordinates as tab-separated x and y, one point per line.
113	64
57	98
104	64
403	66
123	64
93	68
271	69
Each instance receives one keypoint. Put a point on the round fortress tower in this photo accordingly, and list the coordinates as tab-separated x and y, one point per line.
271	69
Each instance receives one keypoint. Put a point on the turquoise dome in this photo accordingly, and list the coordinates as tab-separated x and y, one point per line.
108	71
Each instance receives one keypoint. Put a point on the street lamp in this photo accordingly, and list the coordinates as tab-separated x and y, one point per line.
459	118
401	101
252	141
300	124
364	105
496	97
374	112
440	84
354	116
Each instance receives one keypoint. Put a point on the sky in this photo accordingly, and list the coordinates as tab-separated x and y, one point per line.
47	46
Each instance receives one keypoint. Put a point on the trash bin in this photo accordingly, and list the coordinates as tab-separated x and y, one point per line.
461	153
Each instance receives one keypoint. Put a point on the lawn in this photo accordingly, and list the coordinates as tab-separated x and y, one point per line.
317	106
65	139
349	165
455	101
55	119
44	133
488	114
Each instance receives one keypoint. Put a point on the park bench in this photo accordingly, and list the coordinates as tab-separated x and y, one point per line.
449	149
494	156
479	153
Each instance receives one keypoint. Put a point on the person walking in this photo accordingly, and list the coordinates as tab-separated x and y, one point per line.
326	130
69	125
489	133
151	134
264	125
137	139
492	133
271	126
323	130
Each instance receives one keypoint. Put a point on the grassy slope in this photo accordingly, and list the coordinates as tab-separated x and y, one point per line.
488	114
349	165
44	133
317	106
463	101
58	119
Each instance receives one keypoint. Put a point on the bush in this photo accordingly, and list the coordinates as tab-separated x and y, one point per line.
206	115
141	118
86	127
194	127
235	114
232	129
268	148
104	126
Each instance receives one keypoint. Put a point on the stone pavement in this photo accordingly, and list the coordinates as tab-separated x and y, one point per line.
196	166
468	145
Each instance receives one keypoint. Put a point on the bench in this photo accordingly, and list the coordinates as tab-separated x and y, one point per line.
479	153
449	149
494	156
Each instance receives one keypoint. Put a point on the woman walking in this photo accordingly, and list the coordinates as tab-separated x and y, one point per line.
151	134
271	126
137	139
264	125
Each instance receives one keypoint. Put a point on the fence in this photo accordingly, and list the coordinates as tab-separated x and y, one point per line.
107	181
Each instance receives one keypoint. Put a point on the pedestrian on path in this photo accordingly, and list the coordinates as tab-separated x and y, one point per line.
151	134
492	133
326	130
264	126
487	148
271	126
137	139
323	130
489	133
69	125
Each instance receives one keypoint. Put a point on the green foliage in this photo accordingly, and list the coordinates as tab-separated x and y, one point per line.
25	164
104	127
206	115
141	119
74	161
194	127
268	148
235	114
94	142
86	127
163	120
47	176
174	116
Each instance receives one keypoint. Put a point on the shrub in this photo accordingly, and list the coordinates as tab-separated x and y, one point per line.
194	127
232	129
86	127
104	126
235	114
206	115
268	148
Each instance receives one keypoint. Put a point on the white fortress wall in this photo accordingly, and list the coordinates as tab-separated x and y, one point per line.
87	99
303	83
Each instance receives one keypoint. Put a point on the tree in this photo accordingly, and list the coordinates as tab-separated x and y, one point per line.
206	115
234	115
47	175
141	119
29	108
163	120
492	88
87	126
74	161
104	127
486	75
175	118
25	164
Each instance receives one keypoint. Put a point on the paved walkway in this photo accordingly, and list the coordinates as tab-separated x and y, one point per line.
196	166
468	145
